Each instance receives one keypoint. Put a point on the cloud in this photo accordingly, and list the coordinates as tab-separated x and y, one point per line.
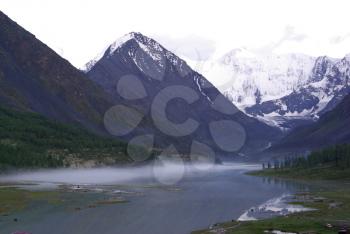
289	35
339	39
191	47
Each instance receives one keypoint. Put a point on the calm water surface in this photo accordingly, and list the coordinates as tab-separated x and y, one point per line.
200	198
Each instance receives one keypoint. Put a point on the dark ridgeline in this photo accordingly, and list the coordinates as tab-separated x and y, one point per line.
158	68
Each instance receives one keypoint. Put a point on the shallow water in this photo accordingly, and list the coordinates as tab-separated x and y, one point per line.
198	199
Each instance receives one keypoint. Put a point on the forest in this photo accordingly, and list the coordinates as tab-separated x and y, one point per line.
30	140
337	156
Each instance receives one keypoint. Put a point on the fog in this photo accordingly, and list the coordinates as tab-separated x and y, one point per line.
161	198
168	174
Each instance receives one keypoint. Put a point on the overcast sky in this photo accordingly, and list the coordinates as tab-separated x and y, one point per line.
80	29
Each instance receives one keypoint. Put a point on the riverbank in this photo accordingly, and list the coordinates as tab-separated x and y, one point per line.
332	214
14	198
330	204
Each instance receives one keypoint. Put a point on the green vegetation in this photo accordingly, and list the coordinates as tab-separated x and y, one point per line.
327	164
323	172
13	199
111	201
29	140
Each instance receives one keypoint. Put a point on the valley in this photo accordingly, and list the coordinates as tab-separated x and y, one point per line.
243	129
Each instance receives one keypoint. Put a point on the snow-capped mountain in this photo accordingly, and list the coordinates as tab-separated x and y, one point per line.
248	78
146	70
143	56
283	90
327	85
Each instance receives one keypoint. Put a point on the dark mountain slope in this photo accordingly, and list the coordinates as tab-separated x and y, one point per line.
332	128
34	78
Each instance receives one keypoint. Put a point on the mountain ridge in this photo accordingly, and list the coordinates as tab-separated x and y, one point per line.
283	90
157	69
328	85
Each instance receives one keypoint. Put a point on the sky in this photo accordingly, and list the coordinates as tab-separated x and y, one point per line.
199	29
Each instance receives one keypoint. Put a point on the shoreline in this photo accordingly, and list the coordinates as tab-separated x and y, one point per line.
277	206
328	211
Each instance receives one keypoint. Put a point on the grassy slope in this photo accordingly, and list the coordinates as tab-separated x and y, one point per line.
29	140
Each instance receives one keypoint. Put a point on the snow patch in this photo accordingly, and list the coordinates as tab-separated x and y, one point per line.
273	207
111	49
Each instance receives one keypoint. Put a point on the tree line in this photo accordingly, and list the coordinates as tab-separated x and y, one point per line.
337	156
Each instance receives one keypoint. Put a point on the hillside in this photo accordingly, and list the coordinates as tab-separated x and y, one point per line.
30	140
332	128
34	78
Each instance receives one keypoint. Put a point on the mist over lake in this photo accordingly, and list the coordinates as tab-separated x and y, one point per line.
222	192
121	175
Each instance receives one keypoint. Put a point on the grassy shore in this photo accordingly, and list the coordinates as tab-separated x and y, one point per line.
332	205
325	172
13	199
333	212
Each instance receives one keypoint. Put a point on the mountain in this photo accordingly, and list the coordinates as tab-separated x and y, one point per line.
248	78
34	78
332	128
286	90
143	75
327	85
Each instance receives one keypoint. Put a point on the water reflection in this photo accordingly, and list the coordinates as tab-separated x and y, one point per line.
286	184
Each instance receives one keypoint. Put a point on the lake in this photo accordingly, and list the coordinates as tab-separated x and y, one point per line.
157	201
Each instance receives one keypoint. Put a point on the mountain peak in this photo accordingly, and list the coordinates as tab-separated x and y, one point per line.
240	53
137	36
136	62
120	41
142	40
